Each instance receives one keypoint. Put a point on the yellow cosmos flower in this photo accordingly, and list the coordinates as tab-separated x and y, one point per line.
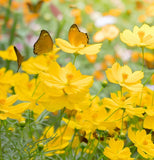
143	142
9	54
7	110
143	37
123	76
78	43
66	79
122	102
31	91
60	139
116	150
66	87
35	65
95	117
6	81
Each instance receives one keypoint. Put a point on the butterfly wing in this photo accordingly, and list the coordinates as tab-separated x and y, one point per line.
77	38
44	44
20	58
34	8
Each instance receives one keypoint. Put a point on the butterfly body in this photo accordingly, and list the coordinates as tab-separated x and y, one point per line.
20	58
44	44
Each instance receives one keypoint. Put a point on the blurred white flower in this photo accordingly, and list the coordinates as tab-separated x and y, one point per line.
123	53
104	20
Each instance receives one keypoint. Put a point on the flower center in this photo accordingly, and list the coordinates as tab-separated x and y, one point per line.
141	36
69	78
124	76
145	142
2	101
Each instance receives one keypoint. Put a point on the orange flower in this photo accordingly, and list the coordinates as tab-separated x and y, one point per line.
135	56
98	75
109	32
91	58
109	59
76	13
149	59
150	10
88	9
113	12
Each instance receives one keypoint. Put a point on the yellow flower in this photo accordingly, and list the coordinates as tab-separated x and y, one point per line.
6	81
123	76
31	91
7	110
116	150
78	43
122	102
66	87
143	142
93	118
60	139
142	37
9	54
34	65
66	79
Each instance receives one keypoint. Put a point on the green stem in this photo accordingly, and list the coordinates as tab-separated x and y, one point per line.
122	121
111	114
147	79
13	29
35	89
97	93
75	54
142	57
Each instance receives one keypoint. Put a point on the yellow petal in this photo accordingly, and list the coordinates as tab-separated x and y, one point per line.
66	46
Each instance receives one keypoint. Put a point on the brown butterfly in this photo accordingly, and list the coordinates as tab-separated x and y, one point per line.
20	58
34	8
44	44
77	38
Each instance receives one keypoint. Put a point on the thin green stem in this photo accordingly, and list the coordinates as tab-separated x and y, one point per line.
75	55
142	57
97	93
35	89
111	114
122	121
147	79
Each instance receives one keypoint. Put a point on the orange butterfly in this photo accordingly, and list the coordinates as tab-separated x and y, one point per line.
44	44
20	58
34	8
77	38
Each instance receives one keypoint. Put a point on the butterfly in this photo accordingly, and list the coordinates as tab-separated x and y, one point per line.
44	44
34	8
20	58
76	37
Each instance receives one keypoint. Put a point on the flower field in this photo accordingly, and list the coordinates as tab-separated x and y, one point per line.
76	80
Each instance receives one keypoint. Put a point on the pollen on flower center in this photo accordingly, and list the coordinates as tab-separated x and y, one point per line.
125	76
29	85
69	78
145	142
2	101
141	35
